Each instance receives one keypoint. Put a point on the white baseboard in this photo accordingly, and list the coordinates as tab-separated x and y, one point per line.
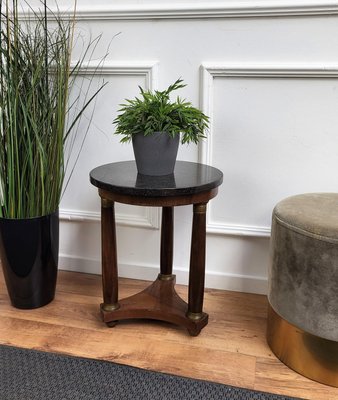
214	280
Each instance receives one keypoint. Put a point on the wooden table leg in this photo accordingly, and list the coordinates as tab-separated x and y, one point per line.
159	300
109	258
197	267
167	242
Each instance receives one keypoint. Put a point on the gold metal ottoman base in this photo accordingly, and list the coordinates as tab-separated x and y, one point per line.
309	355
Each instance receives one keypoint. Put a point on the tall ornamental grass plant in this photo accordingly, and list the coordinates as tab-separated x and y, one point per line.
37	121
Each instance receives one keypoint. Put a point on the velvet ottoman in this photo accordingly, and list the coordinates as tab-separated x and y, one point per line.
303	285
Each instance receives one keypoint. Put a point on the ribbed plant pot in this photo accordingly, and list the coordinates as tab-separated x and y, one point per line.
29	250
155	154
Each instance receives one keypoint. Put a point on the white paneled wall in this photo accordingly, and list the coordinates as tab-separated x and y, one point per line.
266	71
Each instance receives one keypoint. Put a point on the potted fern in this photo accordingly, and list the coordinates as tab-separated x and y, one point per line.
156	125
37	126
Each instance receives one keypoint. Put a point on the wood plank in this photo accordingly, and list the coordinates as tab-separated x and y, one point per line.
141	349
273	376
231	349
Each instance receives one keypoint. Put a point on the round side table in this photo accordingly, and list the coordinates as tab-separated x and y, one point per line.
191	183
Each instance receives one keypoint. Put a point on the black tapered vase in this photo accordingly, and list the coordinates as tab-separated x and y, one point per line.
29	251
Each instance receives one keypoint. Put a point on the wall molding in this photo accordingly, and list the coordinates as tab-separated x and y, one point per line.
148	69
150	221
238	230
235	9
213	279
210	71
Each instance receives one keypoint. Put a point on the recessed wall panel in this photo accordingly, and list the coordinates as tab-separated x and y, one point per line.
272	137
99	145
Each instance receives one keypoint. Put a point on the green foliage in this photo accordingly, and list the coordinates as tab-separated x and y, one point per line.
154	112
37	123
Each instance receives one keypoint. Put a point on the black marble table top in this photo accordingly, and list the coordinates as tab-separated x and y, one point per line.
188	178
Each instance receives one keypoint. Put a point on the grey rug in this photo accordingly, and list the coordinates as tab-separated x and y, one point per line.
35	375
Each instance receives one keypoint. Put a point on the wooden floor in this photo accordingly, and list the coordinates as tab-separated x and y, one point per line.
231	349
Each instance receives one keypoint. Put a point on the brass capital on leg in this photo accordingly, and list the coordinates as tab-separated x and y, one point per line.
105	203
200	208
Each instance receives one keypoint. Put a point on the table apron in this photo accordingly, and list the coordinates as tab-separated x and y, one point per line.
165	201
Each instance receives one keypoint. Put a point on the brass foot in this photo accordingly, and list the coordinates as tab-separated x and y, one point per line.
110	307
163	277
195	316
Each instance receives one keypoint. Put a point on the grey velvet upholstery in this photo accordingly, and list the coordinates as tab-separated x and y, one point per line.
303	272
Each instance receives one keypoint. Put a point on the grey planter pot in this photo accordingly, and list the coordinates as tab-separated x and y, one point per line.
155	154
